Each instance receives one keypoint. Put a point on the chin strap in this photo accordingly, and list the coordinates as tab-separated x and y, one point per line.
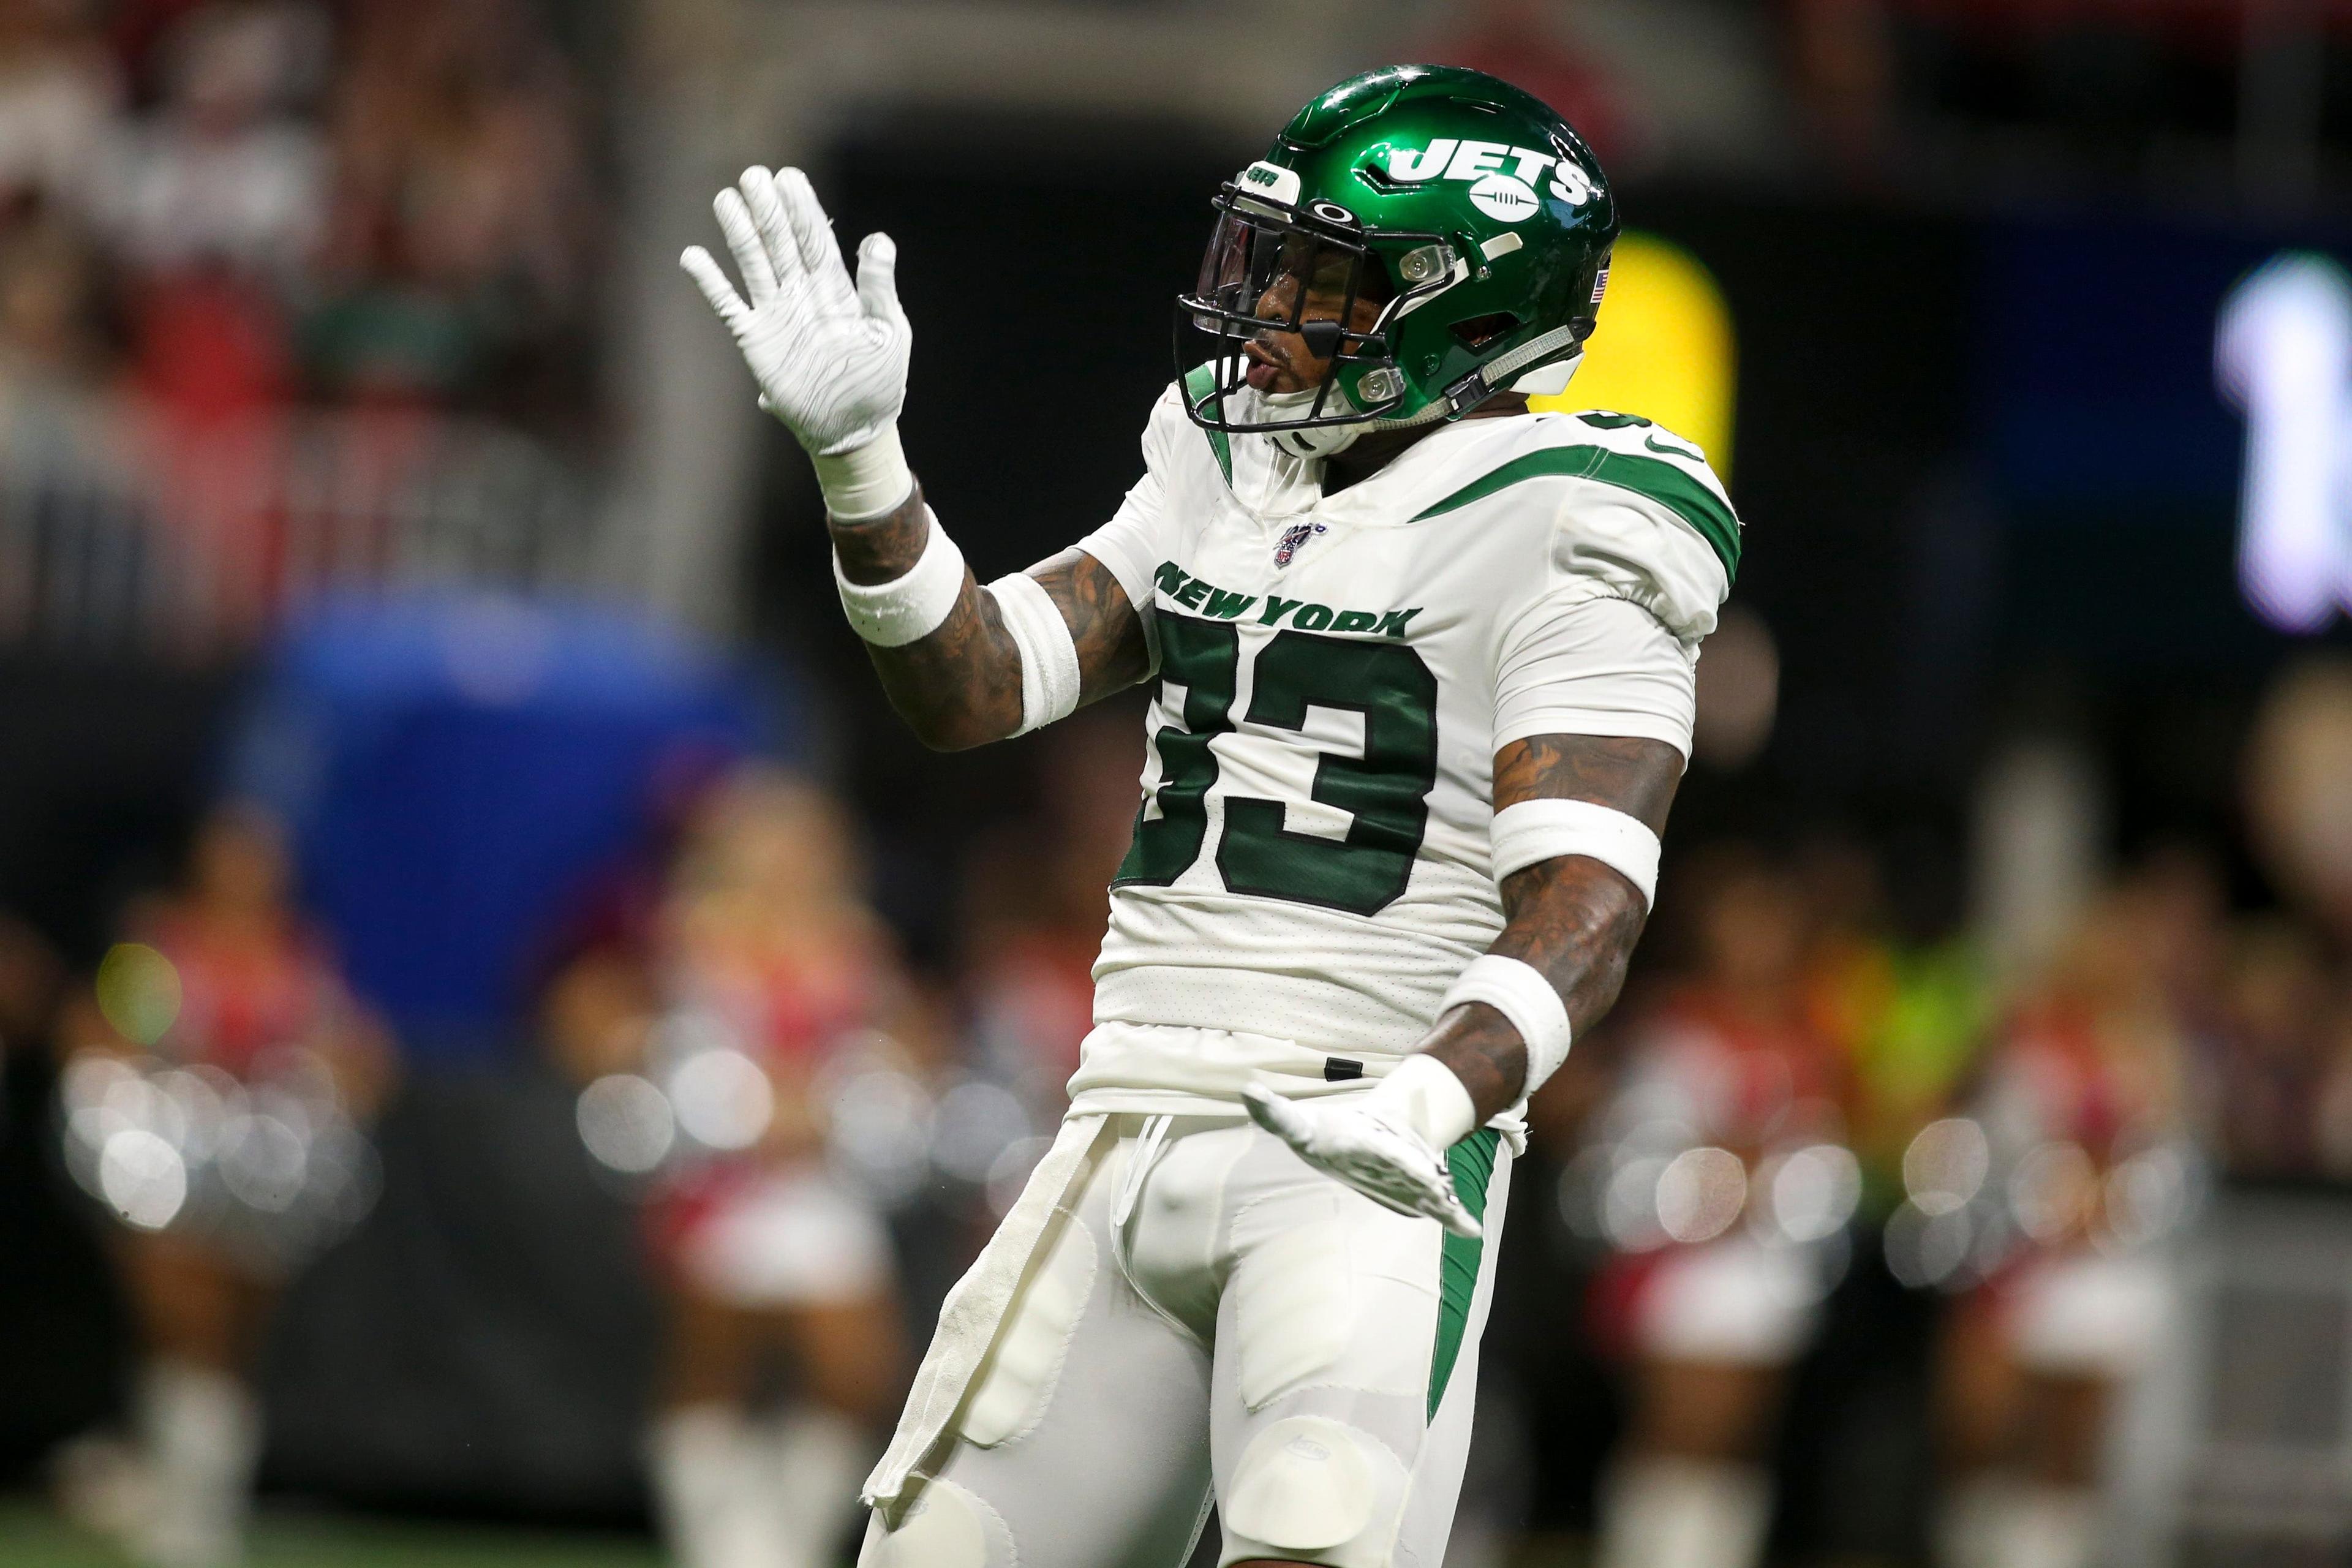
1501	374
1314	441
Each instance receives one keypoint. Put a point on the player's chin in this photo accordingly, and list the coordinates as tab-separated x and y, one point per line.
1269	379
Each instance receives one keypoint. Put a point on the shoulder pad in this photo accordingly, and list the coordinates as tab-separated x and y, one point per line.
1628	453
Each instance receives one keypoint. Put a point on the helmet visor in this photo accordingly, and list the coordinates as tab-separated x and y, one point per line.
1290	302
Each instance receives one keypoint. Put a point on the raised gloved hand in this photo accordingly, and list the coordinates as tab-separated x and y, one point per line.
830	356
1388	1143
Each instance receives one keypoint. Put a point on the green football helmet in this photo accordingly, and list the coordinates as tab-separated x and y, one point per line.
1472	216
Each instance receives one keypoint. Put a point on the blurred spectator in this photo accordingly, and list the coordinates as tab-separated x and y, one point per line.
223	171
50	349
710	1060
59	90
217	1075
2274	1050
463	219
1908	1001
213	206
2043	1202
1731	1087
2299	813
386	211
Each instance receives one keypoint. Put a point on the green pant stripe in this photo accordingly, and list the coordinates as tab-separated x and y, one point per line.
1473	1164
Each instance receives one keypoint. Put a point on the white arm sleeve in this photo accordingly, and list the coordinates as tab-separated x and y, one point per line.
1581	662
1049	655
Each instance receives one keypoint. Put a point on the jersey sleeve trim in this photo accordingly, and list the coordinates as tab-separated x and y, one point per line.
1669	484
1200	382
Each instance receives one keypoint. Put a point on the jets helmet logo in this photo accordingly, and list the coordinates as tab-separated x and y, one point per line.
1501	196
1508	194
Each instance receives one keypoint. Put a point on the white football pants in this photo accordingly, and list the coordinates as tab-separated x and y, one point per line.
1208	1314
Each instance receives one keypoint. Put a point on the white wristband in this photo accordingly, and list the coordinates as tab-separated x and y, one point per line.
893	613
1519	992
1422	1093
866	481
1534	831
1049	654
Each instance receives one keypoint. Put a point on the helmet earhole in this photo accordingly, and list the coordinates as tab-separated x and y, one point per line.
1479	330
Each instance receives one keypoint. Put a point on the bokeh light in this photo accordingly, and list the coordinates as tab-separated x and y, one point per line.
722	1099
138	991
1811	1193
143	1177
626	1124
1946	1164
1700	1193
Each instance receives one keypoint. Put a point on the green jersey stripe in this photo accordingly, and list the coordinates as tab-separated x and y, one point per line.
1669	484
1472	1162
1199	384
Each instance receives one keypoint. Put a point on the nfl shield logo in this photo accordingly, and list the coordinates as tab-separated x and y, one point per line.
1293	538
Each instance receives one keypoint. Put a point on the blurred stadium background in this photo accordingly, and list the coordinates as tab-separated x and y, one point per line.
500	1026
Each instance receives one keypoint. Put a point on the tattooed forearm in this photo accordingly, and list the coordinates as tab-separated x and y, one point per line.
1638	778
877	549
1112	653
959	686
1572	919
1575	922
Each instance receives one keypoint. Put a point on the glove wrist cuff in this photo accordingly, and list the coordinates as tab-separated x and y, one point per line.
867	481
1423	1094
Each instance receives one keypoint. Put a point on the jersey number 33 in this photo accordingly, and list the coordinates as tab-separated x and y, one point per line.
1385	791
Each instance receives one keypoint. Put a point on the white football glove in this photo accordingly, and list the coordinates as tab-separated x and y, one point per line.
1377	1143
830	357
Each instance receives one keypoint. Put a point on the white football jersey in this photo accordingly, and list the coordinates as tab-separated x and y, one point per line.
1310	867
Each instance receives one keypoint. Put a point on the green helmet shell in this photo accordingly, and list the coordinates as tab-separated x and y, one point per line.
1489	216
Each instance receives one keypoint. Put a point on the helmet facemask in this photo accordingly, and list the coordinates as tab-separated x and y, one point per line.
1273	267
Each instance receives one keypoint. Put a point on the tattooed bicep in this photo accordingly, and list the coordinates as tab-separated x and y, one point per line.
1634	775
1113	653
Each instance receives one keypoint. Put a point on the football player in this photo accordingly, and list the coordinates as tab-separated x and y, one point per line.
1424	663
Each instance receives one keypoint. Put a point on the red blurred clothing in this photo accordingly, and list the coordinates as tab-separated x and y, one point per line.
240	996
1740	1073
1034	1001
210	345
2073	1087
1756	1074
789	1009
789	1013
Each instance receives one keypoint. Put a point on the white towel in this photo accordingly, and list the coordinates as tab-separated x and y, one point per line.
973	1314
